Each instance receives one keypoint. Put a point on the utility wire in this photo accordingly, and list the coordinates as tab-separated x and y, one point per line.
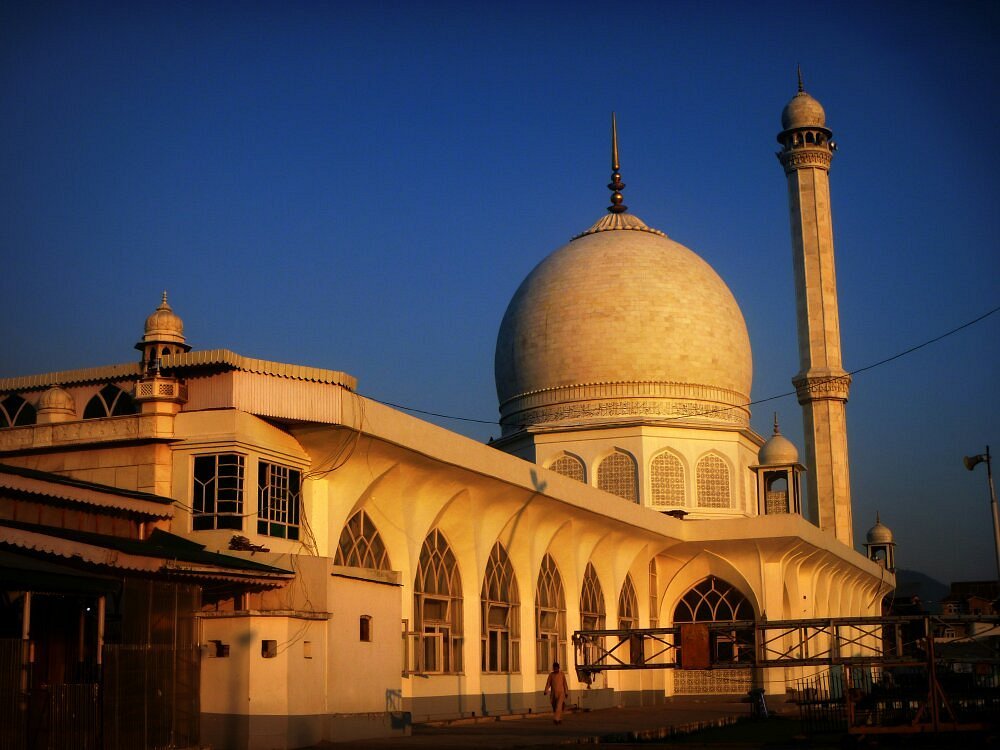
872	366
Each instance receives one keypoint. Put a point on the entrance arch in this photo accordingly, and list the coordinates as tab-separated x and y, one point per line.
714	600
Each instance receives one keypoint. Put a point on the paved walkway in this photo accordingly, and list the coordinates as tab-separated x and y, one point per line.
676	716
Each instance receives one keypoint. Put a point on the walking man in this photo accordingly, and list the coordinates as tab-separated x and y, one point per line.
557	689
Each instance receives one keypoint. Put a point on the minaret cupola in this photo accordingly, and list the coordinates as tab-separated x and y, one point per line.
164	335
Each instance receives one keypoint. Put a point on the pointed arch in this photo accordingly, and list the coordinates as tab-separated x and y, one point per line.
715	600
628	606
16	412
570	466
437	608
110	401
713	482
550	616
361	545
500	637
667	480
592	611
654	595
616	473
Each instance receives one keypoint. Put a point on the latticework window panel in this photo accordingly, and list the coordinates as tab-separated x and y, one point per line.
569	466
666	474
361	545
713	483
616	474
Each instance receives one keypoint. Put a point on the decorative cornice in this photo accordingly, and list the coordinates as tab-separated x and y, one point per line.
655	410
654	400
822	387
807	157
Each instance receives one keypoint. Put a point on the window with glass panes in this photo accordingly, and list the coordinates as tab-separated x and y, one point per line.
217	501
279	496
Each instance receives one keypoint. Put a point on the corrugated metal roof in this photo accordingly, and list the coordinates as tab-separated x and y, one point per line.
162	552
209	358
66	489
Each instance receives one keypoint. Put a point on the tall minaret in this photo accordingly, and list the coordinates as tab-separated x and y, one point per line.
822	384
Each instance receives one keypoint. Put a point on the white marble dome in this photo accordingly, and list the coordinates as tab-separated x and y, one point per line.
622	323
778	451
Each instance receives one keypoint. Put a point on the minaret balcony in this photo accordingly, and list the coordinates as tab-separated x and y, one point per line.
158	388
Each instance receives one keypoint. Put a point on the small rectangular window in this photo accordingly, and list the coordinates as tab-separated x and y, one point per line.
216	650
365	628
307	649
268	649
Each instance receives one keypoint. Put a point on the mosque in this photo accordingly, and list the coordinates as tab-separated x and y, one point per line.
349	568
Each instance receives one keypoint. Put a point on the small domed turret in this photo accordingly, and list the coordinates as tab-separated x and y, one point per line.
779	450
56	405
164	334
879	533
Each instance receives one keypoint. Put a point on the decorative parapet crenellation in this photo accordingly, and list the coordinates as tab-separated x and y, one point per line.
109	429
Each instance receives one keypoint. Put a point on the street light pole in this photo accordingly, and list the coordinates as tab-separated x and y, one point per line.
970	464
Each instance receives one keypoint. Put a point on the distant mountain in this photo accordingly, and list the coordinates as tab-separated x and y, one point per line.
910	583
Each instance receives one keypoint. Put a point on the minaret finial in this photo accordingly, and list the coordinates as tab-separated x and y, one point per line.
777	431
616	185
163	301
801	87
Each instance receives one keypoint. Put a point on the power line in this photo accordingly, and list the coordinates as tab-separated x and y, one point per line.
872	366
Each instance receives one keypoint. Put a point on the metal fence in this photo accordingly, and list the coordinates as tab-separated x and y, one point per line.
141	698
953	696
150	697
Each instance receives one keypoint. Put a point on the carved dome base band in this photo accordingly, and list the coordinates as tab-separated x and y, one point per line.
603	401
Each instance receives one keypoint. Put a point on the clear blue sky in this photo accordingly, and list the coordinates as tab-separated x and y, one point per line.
362	186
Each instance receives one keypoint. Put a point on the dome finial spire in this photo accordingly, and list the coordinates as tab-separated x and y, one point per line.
777	430
801	87
616	185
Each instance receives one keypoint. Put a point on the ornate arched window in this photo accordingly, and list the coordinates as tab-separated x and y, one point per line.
628	606
715	600
500	625
666	477
437	607
592	615
15	412
550	616
713	483
654	596
110	401
616	474
361	546
569	466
